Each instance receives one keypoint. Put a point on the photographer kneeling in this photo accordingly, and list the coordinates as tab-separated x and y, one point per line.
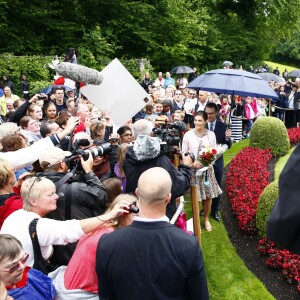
145	154
81	196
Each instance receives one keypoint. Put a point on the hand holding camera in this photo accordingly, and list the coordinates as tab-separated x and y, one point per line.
87	165
188	159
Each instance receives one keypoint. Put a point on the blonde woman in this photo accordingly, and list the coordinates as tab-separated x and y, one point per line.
40	198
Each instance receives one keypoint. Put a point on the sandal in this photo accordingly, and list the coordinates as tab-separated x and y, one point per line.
207	226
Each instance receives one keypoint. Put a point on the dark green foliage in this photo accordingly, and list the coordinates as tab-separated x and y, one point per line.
270	133
265	204
198	33
34	67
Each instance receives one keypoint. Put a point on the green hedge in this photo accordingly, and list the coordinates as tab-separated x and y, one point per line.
40	75
270	133
265	204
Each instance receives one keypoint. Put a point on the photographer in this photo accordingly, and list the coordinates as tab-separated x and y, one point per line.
145	154
82	196
26	156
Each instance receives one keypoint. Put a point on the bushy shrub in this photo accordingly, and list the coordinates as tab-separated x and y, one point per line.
34	67
37	86
265	204
270	133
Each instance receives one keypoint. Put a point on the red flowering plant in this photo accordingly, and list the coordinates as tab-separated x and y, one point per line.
281	259
246	179
294	135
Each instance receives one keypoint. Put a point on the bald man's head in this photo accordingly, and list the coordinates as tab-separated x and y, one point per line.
154	185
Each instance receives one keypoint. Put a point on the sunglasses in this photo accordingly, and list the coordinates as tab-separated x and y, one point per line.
37	179
14	268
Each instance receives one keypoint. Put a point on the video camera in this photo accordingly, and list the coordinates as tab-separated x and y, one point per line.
169	134
99	150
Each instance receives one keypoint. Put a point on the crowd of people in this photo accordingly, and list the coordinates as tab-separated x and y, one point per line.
69	175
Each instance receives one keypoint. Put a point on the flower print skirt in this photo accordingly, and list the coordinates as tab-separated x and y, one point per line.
207	184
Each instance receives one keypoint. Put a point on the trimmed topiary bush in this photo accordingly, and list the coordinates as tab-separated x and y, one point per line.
270	133
265	204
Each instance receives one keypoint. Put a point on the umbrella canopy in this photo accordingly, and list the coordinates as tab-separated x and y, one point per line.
270	76
181	70
295	73
227	63
236	82
48	90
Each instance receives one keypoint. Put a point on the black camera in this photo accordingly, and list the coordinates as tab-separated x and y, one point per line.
95	151
133	208
169	134
42	97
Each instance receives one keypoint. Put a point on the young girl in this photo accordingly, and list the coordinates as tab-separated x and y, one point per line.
225	109
250	114
118	170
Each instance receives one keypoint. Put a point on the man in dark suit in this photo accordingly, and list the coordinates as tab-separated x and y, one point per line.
223	137
151	259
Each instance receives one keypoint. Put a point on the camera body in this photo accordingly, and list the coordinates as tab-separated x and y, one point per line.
133	208
99	150
42	97
169	134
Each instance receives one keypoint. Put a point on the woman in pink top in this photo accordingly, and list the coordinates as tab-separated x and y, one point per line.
79	279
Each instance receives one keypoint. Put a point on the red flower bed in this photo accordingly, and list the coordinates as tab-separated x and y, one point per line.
281	259
246	179
294	135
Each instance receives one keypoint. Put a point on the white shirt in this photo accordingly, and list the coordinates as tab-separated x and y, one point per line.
50	232
213	124
202	106
189	105
142	219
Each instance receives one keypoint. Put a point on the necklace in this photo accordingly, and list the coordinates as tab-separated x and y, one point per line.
200	134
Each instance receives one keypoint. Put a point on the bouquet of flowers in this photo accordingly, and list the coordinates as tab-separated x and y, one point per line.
207	156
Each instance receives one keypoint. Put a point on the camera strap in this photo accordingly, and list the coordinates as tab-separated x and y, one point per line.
67	191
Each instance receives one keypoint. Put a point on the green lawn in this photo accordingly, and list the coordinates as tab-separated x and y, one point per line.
281	67
228	277
281	163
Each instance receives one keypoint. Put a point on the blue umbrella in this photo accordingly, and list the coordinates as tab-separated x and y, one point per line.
270	76
48	90
182	70
233	82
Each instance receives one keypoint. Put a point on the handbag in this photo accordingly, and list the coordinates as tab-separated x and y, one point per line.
39	262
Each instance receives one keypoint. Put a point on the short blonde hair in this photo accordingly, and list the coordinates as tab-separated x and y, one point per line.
8	128
32	188
5	171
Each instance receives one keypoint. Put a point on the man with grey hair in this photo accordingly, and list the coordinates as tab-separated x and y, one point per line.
153	257
145	154
142	127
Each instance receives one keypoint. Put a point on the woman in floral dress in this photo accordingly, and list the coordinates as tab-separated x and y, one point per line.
194	141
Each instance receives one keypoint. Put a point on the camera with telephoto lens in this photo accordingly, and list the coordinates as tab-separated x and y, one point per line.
95	151
169	134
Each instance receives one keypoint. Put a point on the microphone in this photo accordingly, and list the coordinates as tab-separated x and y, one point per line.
79	73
